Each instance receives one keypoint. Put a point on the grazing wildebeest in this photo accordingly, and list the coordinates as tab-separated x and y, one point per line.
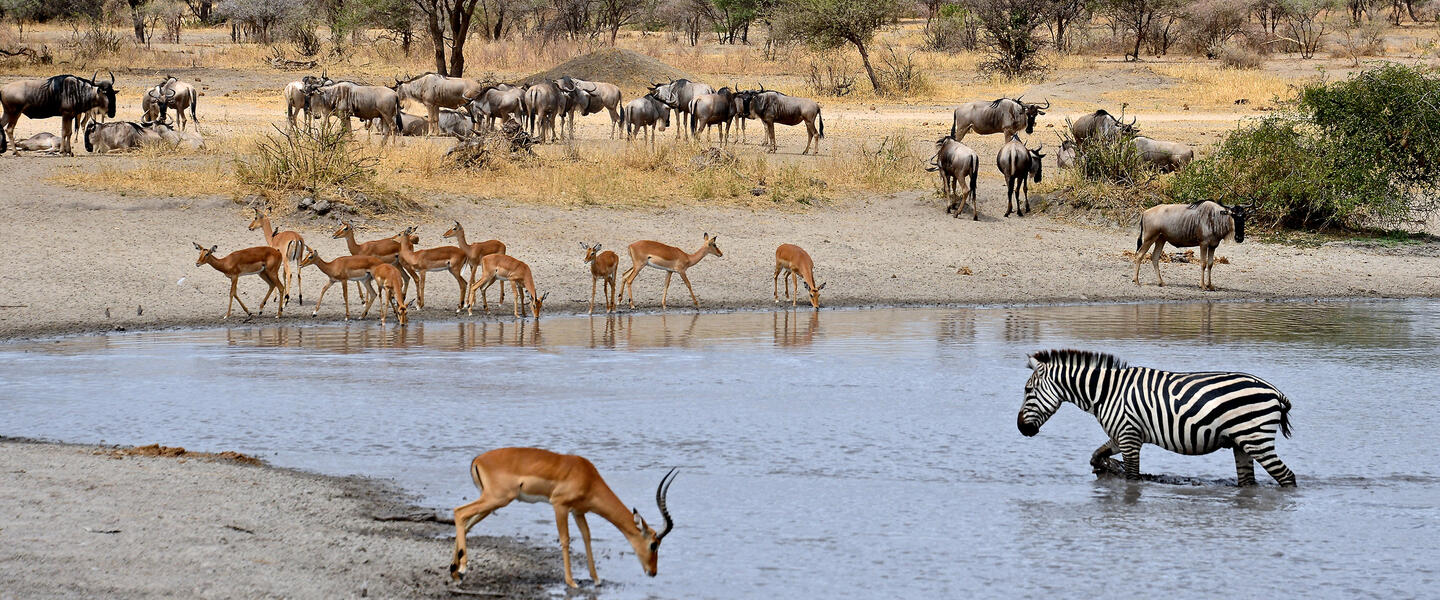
601	95
771	107
115	136
1165	156
1101	125
712	109
40	142
295	95
677	95
543	102
499	101
1003	115
1066	157
64	96
1204	224
956	162
347	99
1019	164
642	112
437	91
174	94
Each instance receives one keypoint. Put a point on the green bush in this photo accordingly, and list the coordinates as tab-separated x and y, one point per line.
1113	160
1364	152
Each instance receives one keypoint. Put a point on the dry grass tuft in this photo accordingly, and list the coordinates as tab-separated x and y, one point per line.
1214	86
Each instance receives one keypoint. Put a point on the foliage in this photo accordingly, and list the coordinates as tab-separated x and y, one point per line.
316	160
952	29
1304	22
1113	160
1010	40
828	24
1212	23
1236	56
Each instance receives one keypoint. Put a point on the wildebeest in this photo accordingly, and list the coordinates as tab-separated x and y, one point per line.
64	96
347	99
1002	115
956	162
1100	125
173	94
40	142
677	95
713	109
499	101
1165	156
1065	158
1202	224
543	102
772	107
437	91
573	100
101	138
1019	164
642	112
295	95
600	95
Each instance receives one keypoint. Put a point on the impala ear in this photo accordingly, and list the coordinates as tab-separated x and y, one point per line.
639	521
214	248
1032	364
197	246
822	286
410	304
597	246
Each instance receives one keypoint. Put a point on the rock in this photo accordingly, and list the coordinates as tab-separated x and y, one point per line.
305	203
321	207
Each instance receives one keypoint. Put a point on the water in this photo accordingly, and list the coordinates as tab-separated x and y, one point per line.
840	454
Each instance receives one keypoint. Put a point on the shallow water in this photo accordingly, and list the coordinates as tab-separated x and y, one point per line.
842	453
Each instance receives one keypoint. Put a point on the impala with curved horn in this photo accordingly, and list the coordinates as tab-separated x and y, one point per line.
571	485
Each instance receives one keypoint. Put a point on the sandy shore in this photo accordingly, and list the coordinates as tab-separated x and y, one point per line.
89	261
84	521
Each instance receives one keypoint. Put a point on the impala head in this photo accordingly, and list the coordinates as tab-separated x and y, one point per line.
343	231
406	234
310	258
402	311
590	251
814	292
255	223
452	231
536	303
711	247
205	253
647	542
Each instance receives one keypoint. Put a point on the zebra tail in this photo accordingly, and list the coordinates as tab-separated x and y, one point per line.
1285	416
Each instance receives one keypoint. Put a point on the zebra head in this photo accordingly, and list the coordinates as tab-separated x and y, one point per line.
1042	398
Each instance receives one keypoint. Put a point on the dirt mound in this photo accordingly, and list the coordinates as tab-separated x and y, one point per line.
632	71
178	452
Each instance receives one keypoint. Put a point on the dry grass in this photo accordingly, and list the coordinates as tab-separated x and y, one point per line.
1212	85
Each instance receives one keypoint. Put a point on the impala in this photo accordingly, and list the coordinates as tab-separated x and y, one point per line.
388	276
473	254
387	249
500	267
603	266
342	269
441	258
260	260
291	247
670	259
795	263
572	486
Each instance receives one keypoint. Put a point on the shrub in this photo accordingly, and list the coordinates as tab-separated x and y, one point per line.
1240	57
954	29
1113	160
318	160
1212	23
899	74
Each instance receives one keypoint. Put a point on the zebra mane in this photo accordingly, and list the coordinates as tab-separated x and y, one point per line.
1085	358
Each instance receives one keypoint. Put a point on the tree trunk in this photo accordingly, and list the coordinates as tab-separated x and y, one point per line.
499	24
139	22
865	58
437	36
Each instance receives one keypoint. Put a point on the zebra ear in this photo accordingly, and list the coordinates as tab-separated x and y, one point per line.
1033	363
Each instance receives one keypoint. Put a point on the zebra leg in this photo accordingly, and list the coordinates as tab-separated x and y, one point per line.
1263	451
1129	443
1103	453
1244	468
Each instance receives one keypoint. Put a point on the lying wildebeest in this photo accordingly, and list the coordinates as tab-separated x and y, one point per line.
1165	156
1019	164
956	162
347	99
119	136
1101	125
1066	157
410	125
295	98
642	112
1204	224
437	91
64	96
771	107
713	109
172	94
600	95
498	101
40	142
1003	115
677	95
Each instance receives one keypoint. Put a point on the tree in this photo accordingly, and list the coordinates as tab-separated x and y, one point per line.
255	19
1009	27
832	23
137	18
22	12
1136	17
614	14
448	22
1064	15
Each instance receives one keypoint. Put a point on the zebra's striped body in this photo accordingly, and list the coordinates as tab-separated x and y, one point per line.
1188	413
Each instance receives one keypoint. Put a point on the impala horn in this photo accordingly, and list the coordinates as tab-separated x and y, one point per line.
660	494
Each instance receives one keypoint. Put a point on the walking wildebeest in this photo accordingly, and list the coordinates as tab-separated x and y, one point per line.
572	100
677	95
956	162
712	109
499	101
101	138
1165	156
1003	115
543	102
772	107
347	99
64	96
642	112
437	91
1019	164
295	95
1100	125
40	142
601	95
1204	224
174	94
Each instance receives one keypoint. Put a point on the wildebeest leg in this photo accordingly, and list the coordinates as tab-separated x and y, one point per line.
770	135
66	126
810	136
1155	252
1140	256
1009	194
9	124
665	294
696	301
1244	468
433	127
1025	184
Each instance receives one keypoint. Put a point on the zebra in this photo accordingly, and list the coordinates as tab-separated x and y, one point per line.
1188	413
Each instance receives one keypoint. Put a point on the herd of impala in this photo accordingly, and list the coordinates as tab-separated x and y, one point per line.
393	262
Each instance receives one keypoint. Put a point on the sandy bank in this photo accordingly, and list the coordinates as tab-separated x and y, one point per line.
80	521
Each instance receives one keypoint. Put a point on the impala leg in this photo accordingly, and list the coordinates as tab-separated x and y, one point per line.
664	295
518	296
777	284
1244	468
343	288
344	293
592	297
589	555
696	301
299	271
794	285
274	285
470	295
610	303
466	517
235	297
420	288
562	523
459	281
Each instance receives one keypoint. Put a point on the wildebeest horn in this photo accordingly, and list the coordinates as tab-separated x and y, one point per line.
112	77
1047	105
661	494
95	76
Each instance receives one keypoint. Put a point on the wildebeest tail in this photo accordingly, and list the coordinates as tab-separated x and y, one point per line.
4	142
194	101
821	117
399	121
952	129
89	127
974	174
